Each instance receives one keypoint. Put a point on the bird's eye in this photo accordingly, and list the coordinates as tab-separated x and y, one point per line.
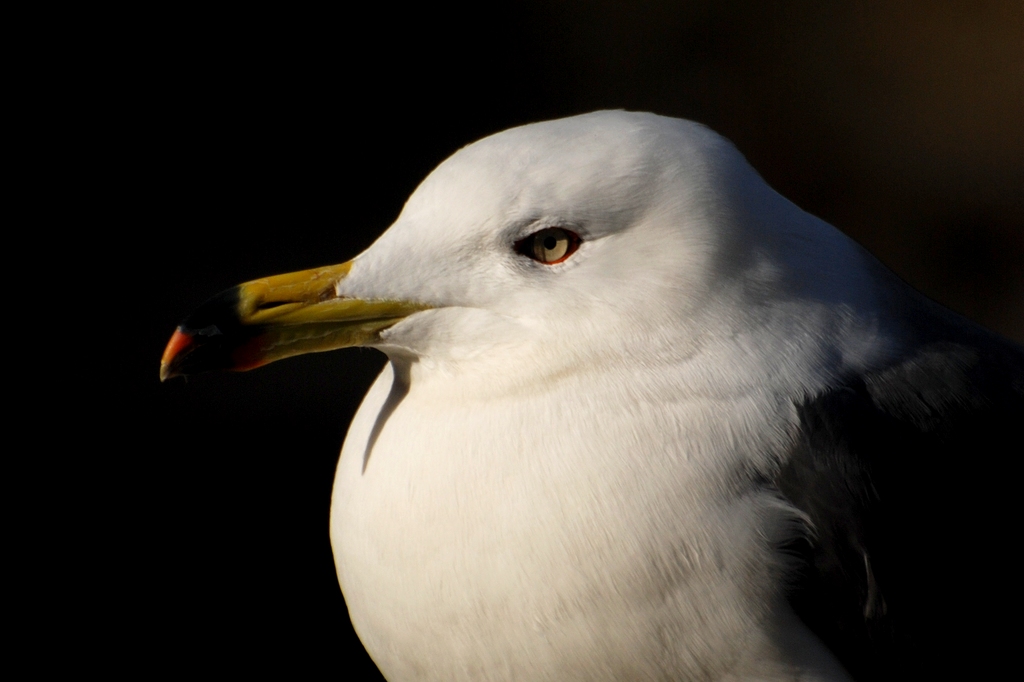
549	246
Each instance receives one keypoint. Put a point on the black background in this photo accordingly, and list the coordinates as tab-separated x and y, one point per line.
213	148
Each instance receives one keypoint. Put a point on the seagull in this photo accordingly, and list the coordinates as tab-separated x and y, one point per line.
645	419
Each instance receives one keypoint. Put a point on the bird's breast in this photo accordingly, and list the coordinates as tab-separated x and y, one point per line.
554	533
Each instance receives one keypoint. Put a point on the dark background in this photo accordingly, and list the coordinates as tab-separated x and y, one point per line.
217	148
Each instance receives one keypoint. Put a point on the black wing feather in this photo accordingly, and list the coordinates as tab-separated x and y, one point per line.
910	476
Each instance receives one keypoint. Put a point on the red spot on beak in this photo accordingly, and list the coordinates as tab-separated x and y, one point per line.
178	343
249	356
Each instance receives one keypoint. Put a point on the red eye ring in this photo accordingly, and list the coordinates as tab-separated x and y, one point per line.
549	246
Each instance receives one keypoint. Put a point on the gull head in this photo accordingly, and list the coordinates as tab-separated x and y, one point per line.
597	235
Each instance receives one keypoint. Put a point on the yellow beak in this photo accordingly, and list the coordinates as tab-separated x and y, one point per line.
272	318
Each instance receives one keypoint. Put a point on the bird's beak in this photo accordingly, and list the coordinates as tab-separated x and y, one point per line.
276	317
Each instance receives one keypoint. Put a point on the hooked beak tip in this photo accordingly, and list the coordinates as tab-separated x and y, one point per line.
179	343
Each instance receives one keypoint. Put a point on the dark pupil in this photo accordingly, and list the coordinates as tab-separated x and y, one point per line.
550	243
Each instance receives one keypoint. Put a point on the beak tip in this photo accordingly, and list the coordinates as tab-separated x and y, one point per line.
179	343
